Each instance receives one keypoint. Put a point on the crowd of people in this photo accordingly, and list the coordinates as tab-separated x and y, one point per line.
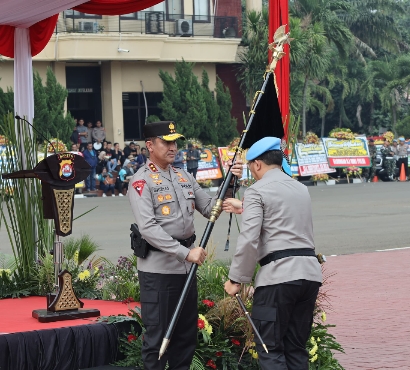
110	165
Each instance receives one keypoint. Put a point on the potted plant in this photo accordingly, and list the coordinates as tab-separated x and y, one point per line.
355	173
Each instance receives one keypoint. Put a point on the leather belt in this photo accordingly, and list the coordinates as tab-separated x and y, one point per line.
185	242
271	257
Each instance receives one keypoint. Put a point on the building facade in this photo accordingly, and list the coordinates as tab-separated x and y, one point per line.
110	64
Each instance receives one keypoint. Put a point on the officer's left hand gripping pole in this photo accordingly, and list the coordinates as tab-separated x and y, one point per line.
216	211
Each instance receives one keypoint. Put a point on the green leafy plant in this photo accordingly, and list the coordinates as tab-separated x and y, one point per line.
21	215
121	280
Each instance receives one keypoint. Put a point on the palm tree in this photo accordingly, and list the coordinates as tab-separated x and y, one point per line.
394	79
312	67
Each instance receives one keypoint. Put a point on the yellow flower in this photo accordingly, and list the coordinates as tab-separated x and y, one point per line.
76	257
313	350
323	316
7	271
81	276
313	359
318	339
253	353
312	341
208	327
87	273
96	270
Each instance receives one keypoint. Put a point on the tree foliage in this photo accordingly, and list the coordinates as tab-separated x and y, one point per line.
49	99
349	63
193	106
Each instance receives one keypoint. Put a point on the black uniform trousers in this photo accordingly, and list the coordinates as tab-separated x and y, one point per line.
159	297
193	171
283	315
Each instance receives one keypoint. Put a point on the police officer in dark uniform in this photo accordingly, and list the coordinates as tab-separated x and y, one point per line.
163	199
277	232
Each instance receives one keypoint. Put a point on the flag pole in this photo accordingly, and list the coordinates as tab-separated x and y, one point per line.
277	53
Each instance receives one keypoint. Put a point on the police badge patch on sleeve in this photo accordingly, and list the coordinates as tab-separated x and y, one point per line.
139	186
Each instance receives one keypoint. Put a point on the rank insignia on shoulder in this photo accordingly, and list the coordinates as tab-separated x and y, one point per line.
166	210
160	198
154	176
182	180
179	174
152	167
168	196
139	186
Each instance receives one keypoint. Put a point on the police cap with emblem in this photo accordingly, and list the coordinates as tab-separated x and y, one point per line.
165	130
265	145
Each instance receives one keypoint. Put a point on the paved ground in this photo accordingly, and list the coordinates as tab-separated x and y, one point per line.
347	219
370	299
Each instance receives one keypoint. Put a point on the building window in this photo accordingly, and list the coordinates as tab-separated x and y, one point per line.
77	15
141	15
134	112
201	11
174	9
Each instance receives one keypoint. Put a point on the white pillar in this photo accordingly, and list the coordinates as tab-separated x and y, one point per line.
254	5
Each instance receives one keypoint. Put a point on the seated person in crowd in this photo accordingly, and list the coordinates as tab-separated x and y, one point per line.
142	158
117	154
74	150
131	150
102	163
125	174
106	181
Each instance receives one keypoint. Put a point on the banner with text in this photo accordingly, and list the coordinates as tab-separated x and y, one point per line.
208	166
312	159
345	153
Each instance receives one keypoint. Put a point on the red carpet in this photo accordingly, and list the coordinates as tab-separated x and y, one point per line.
16	316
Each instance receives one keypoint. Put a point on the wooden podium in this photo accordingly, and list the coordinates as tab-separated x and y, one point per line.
58	175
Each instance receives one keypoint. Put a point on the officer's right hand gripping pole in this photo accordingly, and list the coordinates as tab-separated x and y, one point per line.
277	48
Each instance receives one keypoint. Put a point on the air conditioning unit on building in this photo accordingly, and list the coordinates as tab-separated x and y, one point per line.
154	22
183	27
88	27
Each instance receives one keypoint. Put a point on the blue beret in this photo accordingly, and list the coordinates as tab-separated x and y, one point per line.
401	138
262	146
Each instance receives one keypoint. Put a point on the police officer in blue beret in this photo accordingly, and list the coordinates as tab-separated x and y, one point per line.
277	233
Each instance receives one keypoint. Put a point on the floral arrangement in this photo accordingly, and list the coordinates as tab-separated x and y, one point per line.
3	140
234	144
352	171
195	142
389	136
311	138
213	149
205	183
58	145
342	134
320	177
